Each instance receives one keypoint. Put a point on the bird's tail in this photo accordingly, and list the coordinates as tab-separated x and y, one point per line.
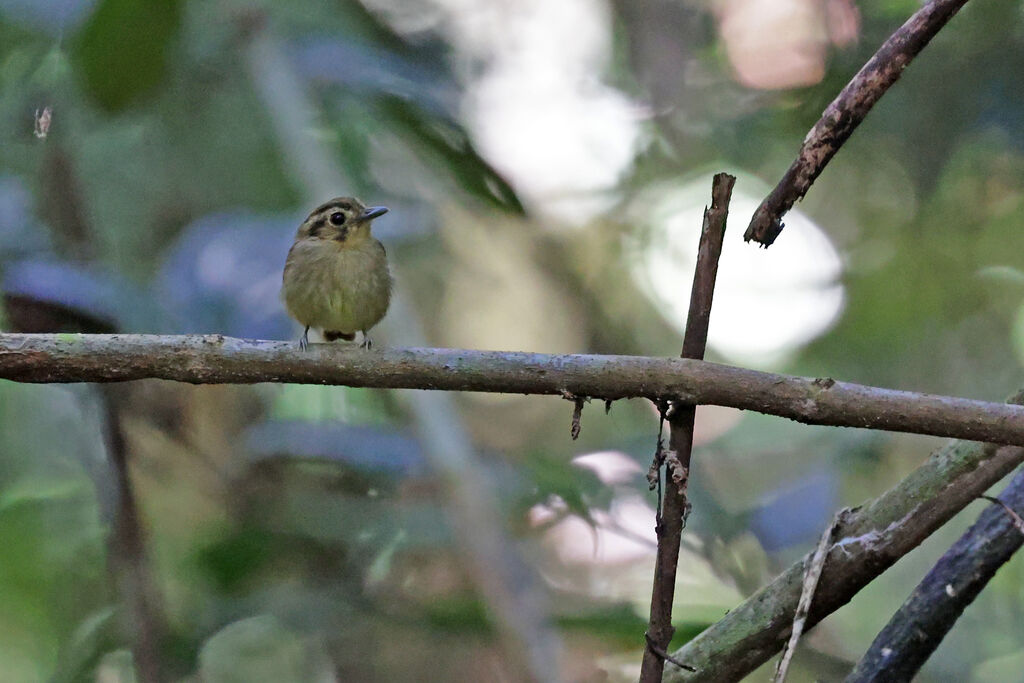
334	336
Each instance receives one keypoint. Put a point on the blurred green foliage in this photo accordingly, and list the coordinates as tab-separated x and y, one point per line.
122	49
296	533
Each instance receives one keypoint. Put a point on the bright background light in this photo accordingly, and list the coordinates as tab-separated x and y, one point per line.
768	303
537	105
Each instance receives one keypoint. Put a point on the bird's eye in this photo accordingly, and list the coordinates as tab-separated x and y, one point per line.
337	218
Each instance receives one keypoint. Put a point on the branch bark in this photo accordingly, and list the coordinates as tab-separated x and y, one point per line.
675	508
215	359
870	540
920	624
845	113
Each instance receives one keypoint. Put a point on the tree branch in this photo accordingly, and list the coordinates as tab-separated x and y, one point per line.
870	540
675	508
847	110
214	359
921	623
810	585
128	557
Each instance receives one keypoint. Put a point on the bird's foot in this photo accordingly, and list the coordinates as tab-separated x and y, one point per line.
367	343
304	340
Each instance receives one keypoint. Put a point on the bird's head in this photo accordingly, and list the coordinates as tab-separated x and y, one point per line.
344	220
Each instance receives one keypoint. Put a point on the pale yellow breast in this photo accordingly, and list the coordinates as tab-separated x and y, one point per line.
338	289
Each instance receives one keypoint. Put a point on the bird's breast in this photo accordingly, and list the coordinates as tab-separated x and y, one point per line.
335	287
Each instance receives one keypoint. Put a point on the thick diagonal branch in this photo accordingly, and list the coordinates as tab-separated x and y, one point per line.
869	540
672	516
846	112
214	359
921	623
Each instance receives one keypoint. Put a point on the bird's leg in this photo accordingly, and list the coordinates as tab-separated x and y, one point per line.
366	343
304	340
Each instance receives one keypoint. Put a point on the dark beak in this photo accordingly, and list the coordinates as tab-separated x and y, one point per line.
372	212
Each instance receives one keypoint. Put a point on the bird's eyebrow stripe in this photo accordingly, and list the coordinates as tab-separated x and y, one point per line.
323	208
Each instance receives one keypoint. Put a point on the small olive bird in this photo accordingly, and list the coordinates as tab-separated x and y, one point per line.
336	277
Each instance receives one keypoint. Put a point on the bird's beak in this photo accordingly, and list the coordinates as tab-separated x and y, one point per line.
372	212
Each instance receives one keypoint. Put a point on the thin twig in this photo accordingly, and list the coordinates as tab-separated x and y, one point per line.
215	359
919	625
1018	522
872	538
675	507
846	112
664	655
810	585
695	337
654	471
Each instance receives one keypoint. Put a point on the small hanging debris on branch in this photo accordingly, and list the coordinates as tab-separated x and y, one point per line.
577	412
654	472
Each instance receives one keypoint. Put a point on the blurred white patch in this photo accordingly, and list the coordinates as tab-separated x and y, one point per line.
774	44
611	467
768	302
623	533
536	104
613	559
562	145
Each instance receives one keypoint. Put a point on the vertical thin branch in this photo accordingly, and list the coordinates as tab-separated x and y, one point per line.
675	506
712	235
128	554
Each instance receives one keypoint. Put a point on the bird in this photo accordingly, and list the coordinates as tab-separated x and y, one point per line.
336	276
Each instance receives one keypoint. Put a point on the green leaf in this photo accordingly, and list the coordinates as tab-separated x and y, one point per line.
121	52
446	145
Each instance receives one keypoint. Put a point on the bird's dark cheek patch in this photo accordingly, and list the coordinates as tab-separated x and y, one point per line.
342	234
314	230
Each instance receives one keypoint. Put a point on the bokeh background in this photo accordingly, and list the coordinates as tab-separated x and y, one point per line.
546	164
